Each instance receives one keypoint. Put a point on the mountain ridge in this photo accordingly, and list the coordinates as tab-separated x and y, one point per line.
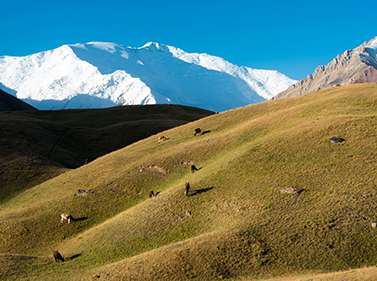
352	66
100	74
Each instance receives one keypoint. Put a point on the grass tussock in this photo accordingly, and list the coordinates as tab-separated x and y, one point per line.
239	225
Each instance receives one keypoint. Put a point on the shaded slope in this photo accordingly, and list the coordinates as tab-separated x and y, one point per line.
11	103
37	145
239	224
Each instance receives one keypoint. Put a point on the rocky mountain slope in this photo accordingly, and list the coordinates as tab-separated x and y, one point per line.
353	66
97	75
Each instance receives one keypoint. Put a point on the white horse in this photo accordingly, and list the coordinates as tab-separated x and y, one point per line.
67	217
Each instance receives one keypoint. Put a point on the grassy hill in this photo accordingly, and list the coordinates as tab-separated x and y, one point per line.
38	145
241	227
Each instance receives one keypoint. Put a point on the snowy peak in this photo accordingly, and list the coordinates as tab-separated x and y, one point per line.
100	74
112	48
154	46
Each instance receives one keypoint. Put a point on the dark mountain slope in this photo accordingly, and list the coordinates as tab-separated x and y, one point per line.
11	103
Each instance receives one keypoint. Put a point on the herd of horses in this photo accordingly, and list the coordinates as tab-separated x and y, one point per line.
69	218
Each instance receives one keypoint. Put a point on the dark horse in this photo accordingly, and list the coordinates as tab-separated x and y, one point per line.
187	188
58	256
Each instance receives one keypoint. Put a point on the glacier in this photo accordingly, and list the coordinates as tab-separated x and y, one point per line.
100	74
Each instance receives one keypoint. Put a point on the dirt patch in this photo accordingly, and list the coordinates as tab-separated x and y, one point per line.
153	168
291	190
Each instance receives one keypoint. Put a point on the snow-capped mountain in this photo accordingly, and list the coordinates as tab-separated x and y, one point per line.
353	66
97	75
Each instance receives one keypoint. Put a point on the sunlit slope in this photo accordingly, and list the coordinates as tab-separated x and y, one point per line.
239	224
359	274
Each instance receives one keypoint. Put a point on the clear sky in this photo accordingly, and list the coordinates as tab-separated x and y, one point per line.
293	37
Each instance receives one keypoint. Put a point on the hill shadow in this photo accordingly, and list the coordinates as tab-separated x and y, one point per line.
195	169
81	219
74	257
206	132
199	191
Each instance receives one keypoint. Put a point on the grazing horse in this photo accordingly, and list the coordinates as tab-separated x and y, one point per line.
187	188
193	168
197	131
67	217
161	138
58	256
151	194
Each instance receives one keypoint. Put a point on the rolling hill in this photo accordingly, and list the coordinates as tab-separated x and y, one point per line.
243	224
38	145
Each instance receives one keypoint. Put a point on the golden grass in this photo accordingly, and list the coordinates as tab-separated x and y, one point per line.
240	226
361	274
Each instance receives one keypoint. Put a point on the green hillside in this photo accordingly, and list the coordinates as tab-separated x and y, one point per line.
240	227
38	145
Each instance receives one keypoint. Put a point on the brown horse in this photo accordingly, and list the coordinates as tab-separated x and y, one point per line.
197	131
193	168
161	138
58	256
187	188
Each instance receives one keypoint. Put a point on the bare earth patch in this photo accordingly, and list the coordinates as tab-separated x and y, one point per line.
291	190
187	163
153	168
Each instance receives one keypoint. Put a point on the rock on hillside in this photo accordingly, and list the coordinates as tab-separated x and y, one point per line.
353	66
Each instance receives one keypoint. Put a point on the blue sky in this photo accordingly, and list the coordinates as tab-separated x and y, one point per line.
293	37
